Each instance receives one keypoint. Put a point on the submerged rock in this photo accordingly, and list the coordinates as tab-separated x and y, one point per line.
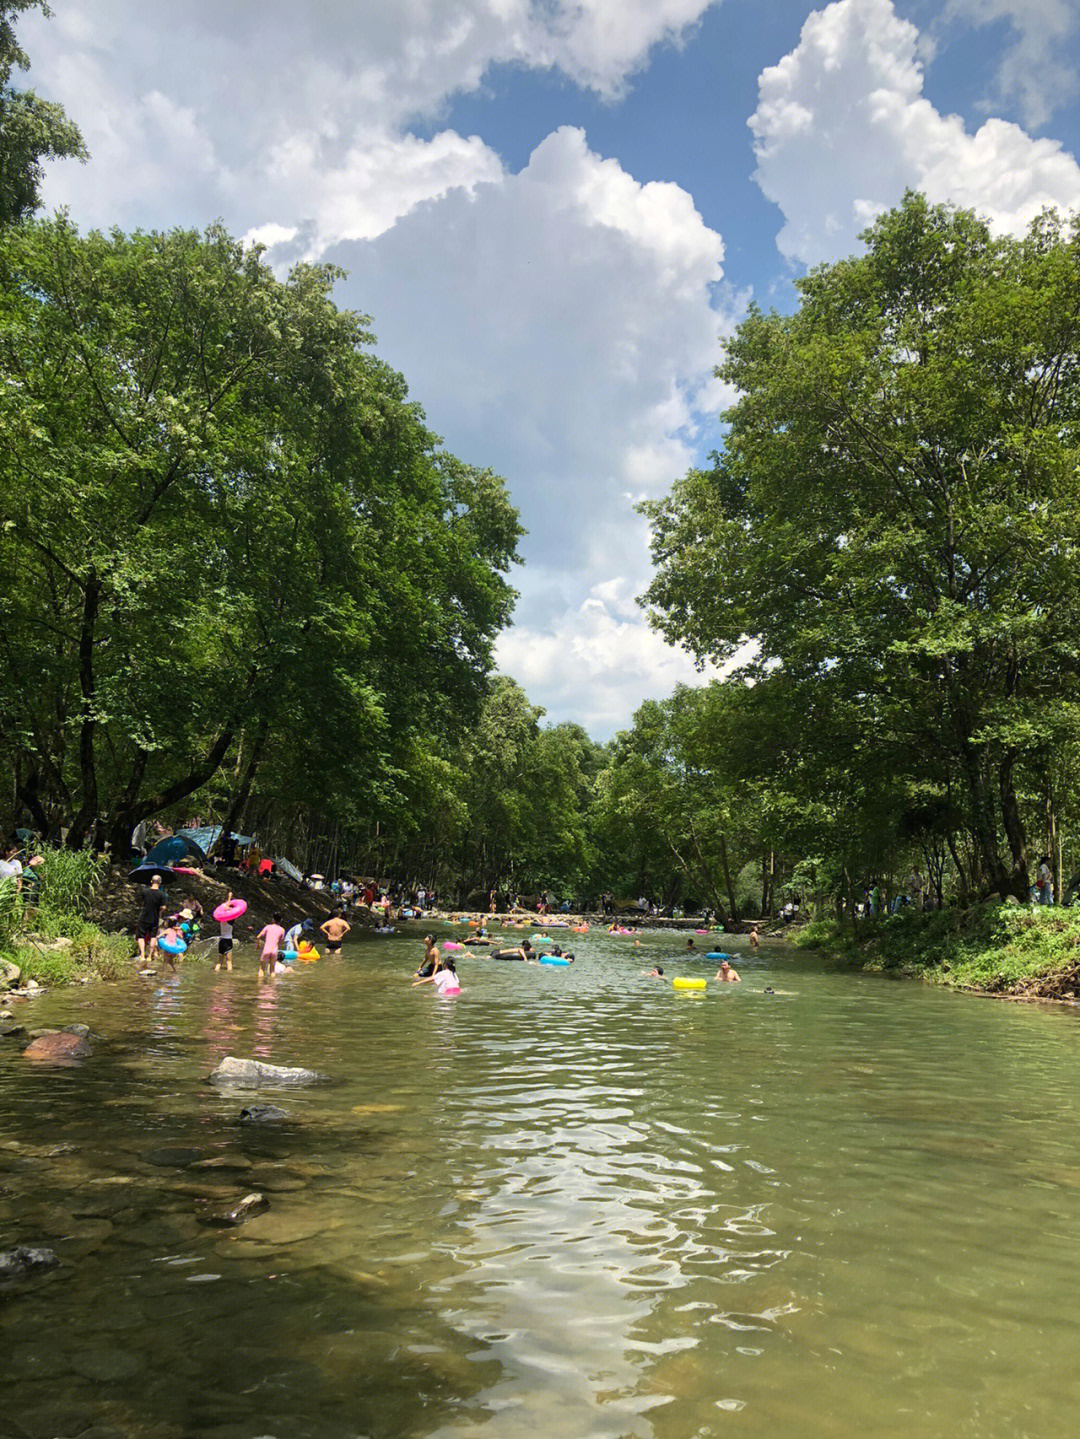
57	1048
261	1114
10	1028
239	1213
22	1261
253	1073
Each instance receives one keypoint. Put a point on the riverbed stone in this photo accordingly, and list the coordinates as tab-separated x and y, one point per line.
238	1213
174	1157
261	1114
57	1048
223	1161
83	1030
10	974
254	1073
10	1028
23	1261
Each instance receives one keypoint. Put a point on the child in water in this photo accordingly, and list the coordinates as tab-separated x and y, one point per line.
445	979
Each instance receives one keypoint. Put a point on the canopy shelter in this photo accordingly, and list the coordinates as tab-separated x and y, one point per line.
206	836
287	867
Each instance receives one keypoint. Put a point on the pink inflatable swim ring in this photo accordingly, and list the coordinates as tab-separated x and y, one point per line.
230	910
453	944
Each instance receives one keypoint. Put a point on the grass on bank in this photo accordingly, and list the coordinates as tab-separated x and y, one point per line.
50	908
992	946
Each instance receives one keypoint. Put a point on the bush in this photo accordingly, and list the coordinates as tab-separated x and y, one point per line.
69	878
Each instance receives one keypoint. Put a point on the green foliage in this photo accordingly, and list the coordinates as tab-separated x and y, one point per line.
893	521
32	130
69	880
227	532
992	946
93	954
12	913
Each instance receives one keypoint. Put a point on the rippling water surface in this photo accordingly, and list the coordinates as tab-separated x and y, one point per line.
565	1203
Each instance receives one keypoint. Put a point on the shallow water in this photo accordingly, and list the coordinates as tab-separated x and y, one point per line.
566	1203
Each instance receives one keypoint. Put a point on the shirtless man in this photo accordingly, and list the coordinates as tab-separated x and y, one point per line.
335	929
726	975
755	941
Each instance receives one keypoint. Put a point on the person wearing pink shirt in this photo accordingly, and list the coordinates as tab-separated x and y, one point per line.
271	936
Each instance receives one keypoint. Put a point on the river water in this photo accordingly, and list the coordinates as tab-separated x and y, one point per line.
566	1203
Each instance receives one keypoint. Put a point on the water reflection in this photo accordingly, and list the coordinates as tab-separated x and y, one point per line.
566	1202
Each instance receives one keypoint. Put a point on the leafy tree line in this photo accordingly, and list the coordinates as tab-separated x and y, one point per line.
894	520
243	579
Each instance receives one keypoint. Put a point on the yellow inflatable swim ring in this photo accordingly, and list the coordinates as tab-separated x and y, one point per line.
687	983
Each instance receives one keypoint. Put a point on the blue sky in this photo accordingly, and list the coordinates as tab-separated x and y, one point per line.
554	209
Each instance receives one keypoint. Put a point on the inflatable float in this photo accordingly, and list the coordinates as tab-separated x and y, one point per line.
718	954
553	959
681	983
229	910
172	946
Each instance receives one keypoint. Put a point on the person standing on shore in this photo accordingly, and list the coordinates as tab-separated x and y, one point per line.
149	921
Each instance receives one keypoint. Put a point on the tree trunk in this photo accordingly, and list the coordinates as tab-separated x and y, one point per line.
732	906
243	793
88	808
1020	882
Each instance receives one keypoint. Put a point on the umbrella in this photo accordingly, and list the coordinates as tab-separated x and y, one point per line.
145	873
317	876
175	847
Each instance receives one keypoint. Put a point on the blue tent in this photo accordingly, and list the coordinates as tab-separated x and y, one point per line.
172	850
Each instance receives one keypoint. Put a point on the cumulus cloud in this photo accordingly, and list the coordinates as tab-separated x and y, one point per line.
566	336
1035	70
311	105
596	662
559	324
843	127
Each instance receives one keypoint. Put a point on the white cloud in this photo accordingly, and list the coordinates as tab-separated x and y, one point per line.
842	128
1038	69
311	105
566	336
597	662
559	324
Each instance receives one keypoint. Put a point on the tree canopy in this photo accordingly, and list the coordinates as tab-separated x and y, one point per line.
894	518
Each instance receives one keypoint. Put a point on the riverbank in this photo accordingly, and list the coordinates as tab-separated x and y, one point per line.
1013	951
60	946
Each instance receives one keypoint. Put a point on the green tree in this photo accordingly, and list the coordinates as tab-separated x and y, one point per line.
32	130
223	525
894	517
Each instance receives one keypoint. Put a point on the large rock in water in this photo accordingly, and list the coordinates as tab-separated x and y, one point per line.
253	1074
19	1263
10	974
58	1048
261	1114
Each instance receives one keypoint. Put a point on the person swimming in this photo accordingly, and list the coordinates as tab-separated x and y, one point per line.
445	979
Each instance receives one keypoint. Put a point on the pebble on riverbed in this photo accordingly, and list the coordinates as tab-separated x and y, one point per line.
240	1212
